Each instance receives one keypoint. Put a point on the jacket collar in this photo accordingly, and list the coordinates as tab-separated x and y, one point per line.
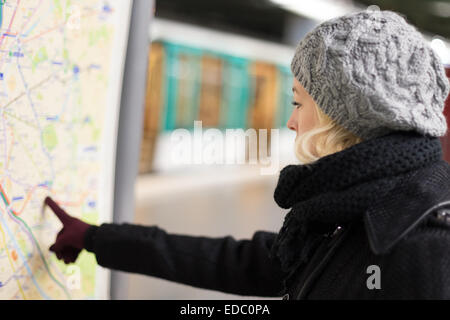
339	189
391	217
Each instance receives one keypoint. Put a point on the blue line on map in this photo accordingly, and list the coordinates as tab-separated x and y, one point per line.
25	34
94	66
90	148
43	18
16	54
17	198
44	184
17	181
23	258
13	276
107	8
37	121
66	101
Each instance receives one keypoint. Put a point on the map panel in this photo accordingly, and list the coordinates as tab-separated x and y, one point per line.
61	66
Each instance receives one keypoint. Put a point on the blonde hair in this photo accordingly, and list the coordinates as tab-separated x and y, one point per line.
325	138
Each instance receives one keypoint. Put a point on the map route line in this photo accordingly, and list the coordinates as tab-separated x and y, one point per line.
36	23
25	231
2	2
61	65
36	117
7	203
30	17
82	198
29	232
4	136
10	23
18	250
44	33
29	194
10	261
23	93
30	157
10	150
12	115
27	199
15	276
55	28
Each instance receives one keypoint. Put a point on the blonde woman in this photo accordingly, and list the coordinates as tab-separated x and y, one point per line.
367	215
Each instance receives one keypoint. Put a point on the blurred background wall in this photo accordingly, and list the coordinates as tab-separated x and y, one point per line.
226	63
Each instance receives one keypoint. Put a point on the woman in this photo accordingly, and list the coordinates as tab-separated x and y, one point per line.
364	220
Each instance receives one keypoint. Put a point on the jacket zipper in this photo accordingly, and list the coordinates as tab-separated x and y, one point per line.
338	235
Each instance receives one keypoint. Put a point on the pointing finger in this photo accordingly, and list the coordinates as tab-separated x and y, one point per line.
59	212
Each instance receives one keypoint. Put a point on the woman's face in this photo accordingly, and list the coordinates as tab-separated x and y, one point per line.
303	117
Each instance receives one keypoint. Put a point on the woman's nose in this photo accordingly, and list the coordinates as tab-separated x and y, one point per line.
292	124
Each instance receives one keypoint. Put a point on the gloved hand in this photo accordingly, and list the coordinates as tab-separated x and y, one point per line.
70	239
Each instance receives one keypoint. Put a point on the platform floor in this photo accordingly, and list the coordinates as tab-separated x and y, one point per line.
209	202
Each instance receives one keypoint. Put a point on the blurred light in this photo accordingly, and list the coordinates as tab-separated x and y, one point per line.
236	45
319	10
440	8
440	47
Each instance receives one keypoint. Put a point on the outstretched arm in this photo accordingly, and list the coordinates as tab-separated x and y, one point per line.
223	264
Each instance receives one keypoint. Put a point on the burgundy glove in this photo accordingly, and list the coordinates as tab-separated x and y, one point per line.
69	241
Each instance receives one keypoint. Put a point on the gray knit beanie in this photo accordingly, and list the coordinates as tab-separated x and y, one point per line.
373	73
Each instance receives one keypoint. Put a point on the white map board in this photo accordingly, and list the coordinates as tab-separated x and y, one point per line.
61	71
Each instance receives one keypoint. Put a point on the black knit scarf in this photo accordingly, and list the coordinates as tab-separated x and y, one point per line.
339	187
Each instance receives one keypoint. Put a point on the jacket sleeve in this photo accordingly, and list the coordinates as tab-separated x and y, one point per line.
224	264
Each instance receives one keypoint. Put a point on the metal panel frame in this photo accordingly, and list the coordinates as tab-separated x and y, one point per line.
130	126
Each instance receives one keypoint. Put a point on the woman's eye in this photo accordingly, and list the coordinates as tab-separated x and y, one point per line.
296	104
